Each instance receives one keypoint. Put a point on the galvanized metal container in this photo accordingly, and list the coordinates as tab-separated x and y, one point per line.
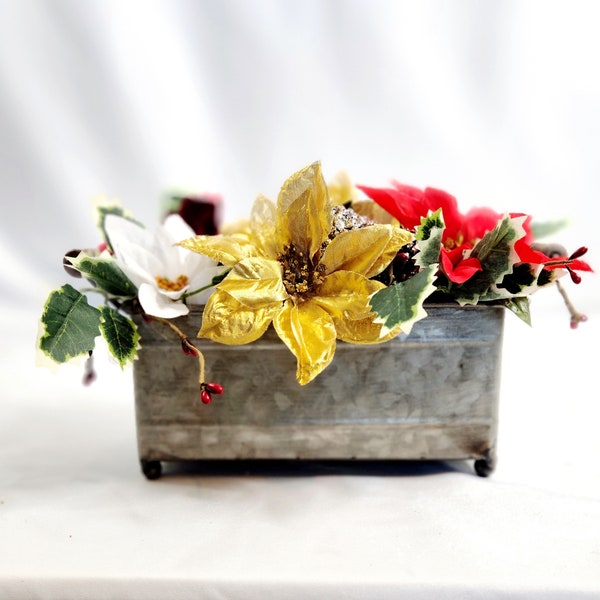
430	395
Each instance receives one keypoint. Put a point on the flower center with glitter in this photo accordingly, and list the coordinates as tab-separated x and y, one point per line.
164	283
301	276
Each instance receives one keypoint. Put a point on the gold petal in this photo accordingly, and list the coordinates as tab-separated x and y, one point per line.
225	249
263	227
304	210
372	210
366	251
235	227
363	331
308	331
255	282
227	321
346	295
342	190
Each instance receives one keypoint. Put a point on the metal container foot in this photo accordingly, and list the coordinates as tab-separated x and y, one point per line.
152	469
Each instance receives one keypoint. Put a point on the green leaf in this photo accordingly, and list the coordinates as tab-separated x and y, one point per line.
106	274
496	254
429	239
546	228
520	307
120	333
401	305
70	325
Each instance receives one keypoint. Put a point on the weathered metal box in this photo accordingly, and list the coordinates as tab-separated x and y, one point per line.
430	395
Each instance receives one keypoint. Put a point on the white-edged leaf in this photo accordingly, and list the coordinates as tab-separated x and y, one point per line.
70	325
520	307
121	335
401	305
496	253
106	274
429	239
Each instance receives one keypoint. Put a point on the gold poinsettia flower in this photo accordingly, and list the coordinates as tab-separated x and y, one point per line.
292	271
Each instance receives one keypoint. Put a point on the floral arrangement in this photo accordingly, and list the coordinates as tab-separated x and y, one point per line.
326	262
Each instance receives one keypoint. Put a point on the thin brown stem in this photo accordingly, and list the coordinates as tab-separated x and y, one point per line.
186	342
576	316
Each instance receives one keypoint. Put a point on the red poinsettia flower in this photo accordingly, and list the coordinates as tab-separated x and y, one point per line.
457	268
409	204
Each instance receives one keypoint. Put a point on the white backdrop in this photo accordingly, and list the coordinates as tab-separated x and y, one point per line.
495	101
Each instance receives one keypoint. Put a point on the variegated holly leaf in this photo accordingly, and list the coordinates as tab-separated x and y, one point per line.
121	335
429	239
401	305
70	324
495	251
106	274
520	307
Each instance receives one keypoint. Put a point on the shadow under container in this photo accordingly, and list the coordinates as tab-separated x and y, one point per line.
429	395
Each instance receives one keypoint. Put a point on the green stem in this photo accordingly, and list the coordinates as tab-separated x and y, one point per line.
213	282
202	289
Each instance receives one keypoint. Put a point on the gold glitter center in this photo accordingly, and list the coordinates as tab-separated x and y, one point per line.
301	276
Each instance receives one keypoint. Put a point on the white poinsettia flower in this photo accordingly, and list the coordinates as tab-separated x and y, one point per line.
162	271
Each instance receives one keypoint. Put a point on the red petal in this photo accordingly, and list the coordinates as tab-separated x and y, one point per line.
479	221
562	262
402	206
459	271
580	265
527	254
434	199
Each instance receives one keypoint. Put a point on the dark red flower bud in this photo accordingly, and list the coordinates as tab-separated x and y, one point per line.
205	397
89	373
575	278
215	388
578	253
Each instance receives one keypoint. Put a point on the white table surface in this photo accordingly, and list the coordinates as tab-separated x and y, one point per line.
79	520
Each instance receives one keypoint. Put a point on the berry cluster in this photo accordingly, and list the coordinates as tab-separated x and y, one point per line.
206	388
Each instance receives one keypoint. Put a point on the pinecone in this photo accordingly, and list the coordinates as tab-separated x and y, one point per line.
403	266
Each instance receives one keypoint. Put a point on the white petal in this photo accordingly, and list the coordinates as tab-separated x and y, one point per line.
156	304
118	228
177	229
134	248
139	264
172	256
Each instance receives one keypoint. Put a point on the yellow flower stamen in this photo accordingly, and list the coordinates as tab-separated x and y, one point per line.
164	283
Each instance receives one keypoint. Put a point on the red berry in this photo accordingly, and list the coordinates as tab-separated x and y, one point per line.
215	388
205	397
